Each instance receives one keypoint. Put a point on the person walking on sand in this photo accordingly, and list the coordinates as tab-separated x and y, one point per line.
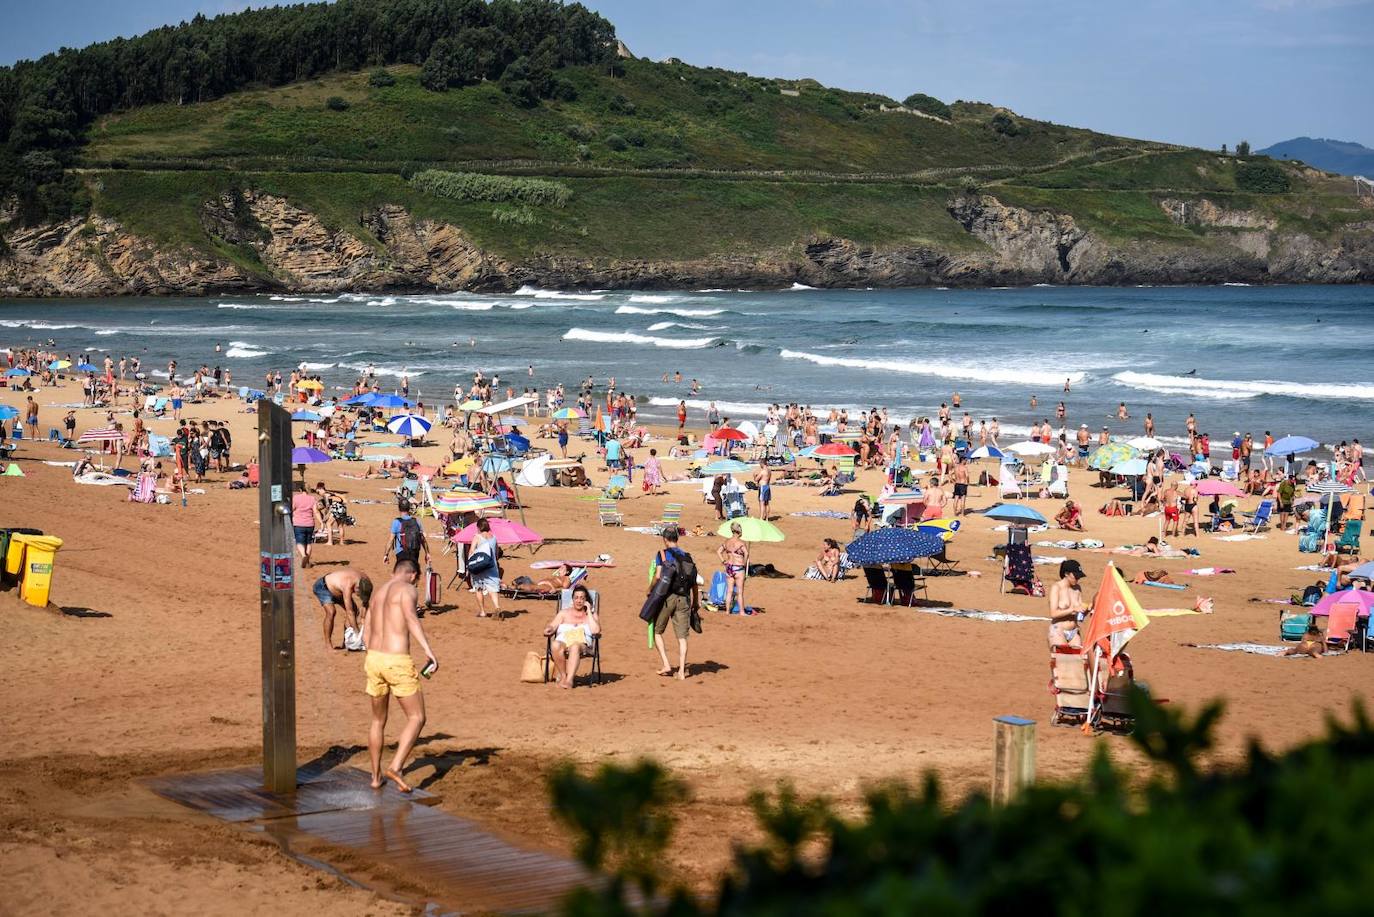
304	515
677	577
960	487
391	625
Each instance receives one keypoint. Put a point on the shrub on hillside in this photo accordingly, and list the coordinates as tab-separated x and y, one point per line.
919	101
1005	124
380	78
473	186
336	103
616	142
1262	177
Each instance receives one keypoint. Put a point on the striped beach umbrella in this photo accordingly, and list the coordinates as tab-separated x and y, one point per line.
902	497
107	435
568	414
457	501
411	426
60	364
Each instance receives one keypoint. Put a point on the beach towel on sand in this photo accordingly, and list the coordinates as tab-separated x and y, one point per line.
999	617
1258	649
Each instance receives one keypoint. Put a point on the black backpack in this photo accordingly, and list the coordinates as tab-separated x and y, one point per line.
684	573
410	536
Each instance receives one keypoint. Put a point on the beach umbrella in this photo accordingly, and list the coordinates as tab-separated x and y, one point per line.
472	404
1363	571
1144	443
1131	468
460	465
18	371
1116	617
902	497
1362	599
7	412
567	414
893	545
59	364
986	452
726	466
752	529
496	464
107	435
411	426
506	532
1330	488
1291	445
1111	454
1214	487
730	433
1015	512
834	449
310	384
304	455
389	401
464	501
306	417
88	368
356	400
1030	448
939	525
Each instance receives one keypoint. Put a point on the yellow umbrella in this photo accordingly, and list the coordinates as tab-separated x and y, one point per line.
310	383
458	466
470	405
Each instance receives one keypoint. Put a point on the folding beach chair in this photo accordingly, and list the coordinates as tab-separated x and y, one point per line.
879	590
607	514
1349	542
1293	622
672	515
1340	627
941	564
1068	686
1260	517
593	649
907	580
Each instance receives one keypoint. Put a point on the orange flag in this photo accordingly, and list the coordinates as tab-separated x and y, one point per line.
1116	615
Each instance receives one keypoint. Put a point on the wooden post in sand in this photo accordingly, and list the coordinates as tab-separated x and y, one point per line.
1013	763
277	599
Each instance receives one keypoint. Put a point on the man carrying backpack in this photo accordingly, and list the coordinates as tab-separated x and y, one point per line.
677	577
407	539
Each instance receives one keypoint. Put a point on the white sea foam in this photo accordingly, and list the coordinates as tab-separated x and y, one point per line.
1237	389
37	326
627	337
652	298
316	366
1007	375
238	305
799	286
244	350
664	326
685	313
384	370
1235	283
106	332
726	408
557	294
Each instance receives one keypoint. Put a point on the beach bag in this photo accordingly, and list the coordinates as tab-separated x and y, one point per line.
1312	594
684	575
480	562
648	612
716	594
144	489
434	587
532	671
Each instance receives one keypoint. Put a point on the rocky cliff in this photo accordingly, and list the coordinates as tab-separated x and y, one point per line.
280	246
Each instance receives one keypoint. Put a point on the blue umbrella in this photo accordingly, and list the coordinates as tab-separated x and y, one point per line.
984	452
1364	571
496	465
411	426
18	371
357	399
618	480
725	466
306	417
894	545
7	412
1291	445
389	401
1015	512
1131	468
87	368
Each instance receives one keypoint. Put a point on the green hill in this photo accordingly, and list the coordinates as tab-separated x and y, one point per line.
660	162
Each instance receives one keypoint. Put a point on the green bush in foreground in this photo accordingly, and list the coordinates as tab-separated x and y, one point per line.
1279	834
473	186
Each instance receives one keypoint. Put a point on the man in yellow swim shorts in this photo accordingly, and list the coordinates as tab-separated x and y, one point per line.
391	623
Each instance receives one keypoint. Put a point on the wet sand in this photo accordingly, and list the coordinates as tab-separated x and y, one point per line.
151	665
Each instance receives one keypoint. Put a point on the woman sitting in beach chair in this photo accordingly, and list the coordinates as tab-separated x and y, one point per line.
572	634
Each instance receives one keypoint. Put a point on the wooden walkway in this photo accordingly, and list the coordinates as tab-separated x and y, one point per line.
474	871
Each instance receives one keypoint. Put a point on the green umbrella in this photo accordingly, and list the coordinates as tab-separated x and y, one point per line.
1104	457
752	529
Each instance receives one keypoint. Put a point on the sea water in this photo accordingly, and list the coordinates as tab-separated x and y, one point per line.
1284	359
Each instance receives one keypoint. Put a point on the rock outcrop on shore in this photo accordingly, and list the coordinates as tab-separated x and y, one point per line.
287	248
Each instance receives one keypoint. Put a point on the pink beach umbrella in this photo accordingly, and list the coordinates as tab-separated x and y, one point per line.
1213	487
1362	599
506	532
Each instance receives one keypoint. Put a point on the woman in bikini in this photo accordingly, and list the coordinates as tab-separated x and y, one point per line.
734	554
572	630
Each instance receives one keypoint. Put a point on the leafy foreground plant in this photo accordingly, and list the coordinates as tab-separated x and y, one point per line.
1280	834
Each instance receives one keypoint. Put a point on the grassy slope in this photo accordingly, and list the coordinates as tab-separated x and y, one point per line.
675	119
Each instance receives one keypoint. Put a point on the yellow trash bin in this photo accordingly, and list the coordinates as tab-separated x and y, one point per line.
39	556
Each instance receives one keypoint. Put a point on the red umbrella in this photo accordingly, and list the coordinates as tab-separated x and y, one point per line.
729	433
837	449
506	532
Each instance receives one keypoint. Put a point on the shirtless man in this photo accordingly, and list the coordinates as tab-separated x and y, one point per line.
960	486
1170	500
1066	605
764	478
350	590
391	624
935	500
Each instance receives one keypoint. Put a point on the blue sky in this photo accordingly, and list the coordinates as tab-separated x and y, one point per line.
1201	72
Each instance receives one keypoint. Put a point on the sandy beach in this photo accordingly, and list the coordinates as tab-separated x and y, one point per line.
148	663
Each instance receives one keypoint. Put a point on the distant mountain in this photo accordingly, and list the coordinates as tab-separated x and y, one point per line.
1341	156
